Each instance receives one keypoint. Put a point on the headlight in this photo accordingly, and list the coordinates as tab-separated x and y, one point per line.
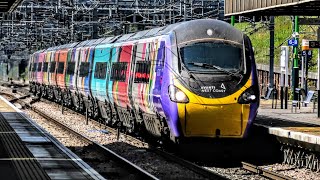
176	95
249	96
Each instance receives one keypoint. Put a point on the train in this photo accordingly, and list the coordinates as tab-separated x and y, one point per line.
189	80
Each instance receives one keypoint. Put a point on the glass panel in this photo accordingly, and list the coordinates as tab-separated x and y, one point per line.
70	68
101	70
222	54
45	67
60	67
52	67
84	69
34	67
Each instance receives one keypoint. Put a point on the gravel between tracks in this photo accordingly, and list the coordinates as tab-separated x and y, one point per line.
291	171
134	152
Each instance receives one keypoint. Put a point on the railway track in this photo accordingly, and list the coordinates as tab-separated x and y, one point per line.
169	156
130	170
264	172
187	164
166	155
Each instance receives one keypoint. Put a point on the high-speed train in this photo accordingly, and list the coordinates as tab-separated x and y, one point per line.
194	79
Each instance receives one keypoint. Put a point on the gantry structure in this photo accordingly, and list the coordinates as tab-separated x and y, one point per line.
39	24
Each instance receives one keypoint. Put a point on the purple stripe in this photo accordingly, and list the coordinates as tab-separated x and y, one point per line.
253	106
170	109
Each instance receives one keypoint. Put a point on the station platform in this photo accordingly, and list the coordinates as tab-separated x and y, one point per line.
300	128
29	152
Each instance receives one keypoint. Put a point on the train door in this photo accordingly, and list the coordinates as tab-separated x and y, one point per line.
51	68
77	60
88	76
70	68
83	70
45	68
158	74
56	63
114	55
138	75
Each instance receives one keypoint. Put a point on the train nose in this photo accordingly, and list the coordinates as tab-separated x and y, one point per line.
215	120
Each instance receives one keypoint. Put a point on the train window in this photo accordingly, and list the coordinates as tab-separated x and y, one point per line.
60	67
39	67
118	72
142	73
220	53
84	69
30	67
101	70
34	69
70	67
162	53
45	67
52	67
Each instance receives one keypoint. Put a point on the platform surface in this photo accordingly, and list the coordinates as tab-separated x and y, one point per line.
25	145
300	124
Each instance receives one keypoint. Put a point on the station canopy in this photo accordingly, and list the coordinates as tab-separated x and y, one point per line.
272	7
9	5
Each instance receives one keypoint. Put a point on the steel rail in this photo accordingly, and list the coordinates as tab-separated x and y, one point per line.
187	164
264	172
139	171
19	98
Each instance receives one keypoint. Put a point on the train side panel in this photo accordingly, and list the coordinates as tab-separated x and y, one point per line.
39	75
76	70
83	70
121	74
51	68
46	69
170	108
111	82
138	85
160	55
99	73
55	64
87	79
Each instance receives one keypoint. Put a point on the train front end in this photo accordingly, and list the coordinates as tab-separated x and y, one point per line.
217	93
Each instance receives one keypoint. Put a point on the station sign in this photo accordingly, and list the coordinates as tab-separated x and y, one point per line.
293	42
307	53
314	44
305	45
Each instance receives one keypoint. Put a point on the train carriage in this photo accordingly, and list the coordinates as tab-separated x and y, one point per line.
100	76
194	79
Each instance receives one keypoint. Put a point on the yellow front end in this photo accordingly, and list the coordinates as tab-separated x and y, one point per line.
213	117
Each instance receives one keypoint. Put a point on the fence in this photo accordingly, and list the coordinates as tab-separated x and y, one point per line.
263	76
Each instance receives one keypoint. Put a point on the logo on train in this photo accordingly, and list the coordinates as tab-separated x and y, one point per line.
213	89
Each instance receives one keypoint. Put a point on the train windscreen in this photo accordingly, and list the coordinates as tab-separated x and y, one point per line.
212	56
